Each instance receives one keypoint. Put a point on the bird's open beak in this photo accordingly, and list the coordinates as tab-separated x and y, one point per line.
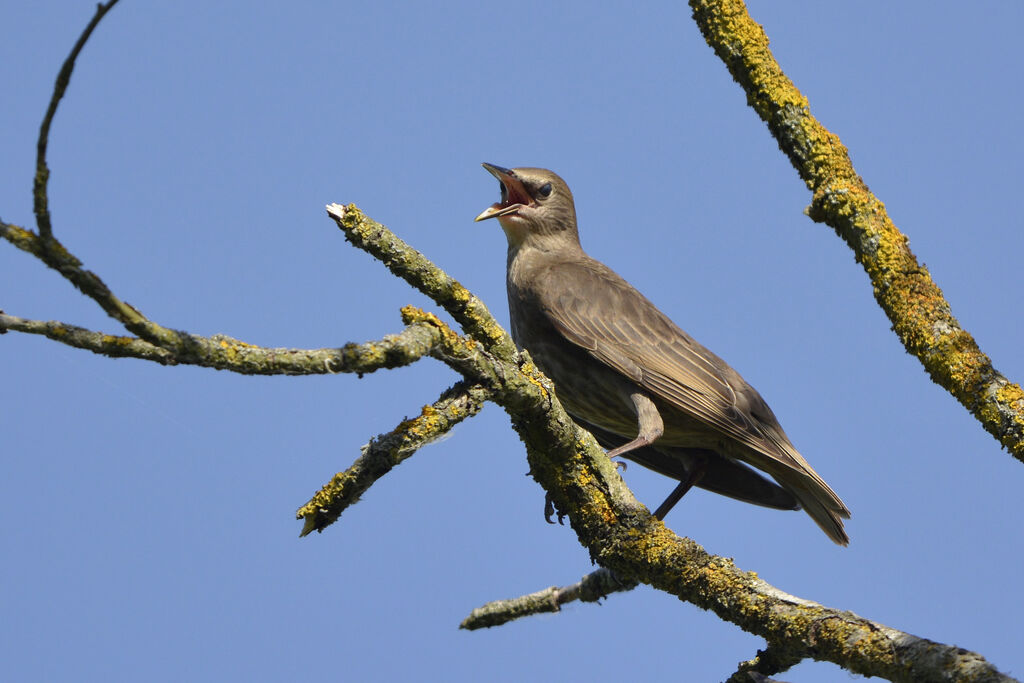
514	197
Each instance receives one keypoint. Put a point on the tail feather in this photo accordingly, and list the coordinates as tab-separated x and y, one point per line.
795	474
825	508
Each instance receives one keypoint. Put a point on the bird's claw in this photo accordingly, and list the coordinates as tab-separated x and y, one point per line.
549	509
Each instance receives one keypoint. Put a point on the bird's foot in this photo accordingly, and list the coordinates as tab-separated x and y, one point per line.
549	509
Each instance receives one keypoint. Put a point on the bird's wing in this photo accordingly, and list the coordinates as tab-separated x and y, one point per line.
594	308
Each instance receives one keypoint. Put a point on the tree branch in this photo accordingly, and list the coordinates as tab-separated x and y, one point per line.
81	338
51	252
42	178
410	265
382	453
768	662
222	352
920	315
593	587
45	246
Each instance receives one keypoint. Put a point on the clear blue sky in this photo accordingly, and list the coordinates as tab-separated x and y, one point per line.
146	513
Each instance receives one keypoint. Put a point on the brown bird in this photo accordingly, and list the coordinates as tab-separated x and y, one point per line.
631	376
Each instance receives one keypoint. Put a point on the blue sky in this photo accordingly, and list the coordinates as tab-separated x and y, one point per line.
147	512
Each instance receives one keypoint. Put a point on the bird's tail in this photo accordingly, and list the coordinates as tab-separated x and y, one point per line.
823	505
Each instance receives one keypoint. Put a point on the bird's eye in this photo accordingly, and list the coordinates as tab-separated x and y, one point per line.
545	190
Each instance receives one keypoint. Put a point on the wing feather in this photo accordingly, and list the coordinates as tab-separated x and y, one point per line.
594	308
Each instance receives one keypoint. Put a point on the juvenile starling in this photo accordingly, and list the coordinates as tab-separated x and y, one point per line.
630	376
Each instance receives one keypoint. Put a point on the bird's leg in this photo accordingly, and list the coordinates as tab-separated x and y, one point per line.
692	477
649	425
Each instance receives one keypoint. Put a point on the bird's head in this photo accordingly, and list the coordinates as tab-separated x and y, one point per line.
536	206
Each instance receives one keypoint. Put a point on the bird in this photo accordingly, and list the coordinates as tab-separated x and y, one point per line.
625	372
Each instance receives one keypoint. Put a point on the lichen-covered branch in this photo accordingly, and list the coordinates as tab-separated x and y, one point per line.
225	353
410	265
484	372
593	587
381	454
768	662
110	345
904	289
795	629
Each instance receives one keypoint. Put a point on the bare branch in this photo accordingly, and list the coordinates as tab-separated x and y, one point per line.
591	588
45	247
42	177
52	253
920	315
381	454
226	353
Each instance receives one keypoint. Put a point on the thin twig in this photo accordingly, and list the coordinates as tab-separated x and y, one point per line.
39	187
53	254
593	587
